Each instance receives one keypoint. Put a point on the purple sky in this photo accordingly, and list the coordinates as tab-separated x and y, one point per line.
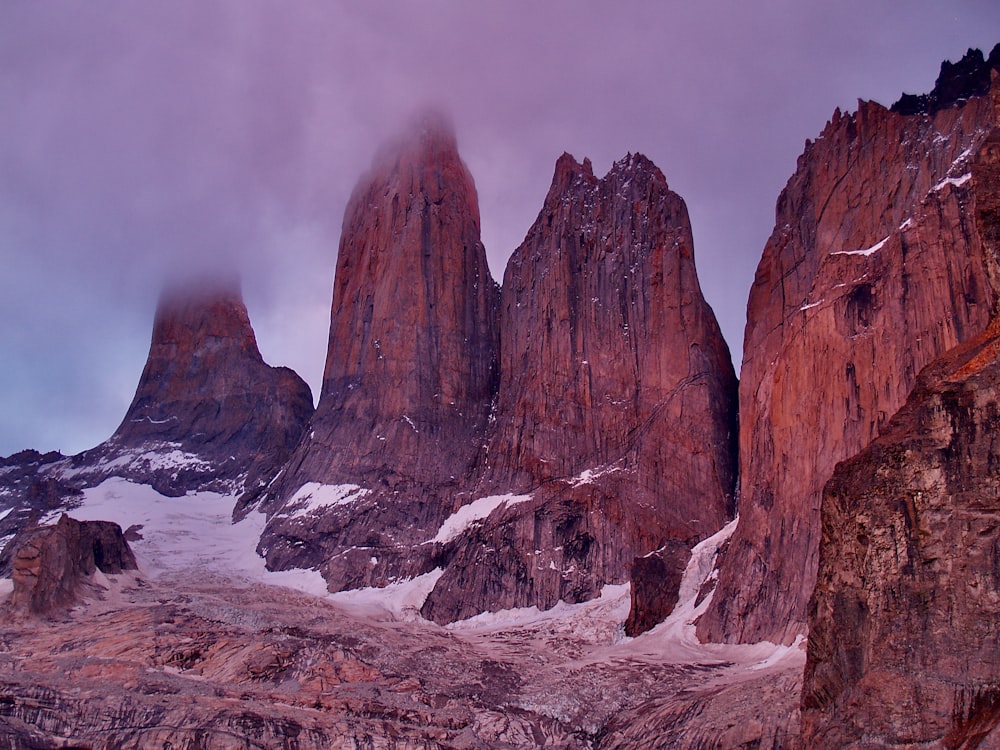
141	139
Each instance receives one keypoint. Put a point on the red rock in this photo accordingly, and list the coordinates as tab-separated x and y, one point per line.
902	646
835	338
410	374
52	564
613	375
205	391
655	581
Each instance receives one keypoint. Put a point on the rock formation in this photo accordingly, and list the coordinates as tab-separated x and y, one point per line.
902	645
208	411
52	564
875	267
613	371
613	375
410	374
903	648
957	82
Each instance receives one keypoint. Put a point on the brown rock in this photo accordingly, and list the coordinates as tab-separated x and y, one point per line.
410	373
613	374
656	582
903	646
835	337
53	563
205	391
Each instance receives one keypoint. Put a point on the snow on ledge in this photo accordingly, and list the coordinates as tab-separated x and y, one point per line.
314	496
956	181
478	510
867	251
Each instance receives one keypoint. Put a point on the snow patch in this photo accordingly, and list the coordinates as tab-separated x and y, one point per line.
193	532
611	606
314	496
810	305
5	513
906	225
867	251
956	181
456	524
587	476
401	600
6	587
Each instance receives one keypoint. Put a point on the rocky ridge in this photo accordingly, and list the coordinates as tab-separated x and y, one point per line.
875	267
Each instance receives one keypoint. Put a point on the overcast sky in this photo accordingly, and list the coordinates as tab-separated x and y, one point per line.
143	139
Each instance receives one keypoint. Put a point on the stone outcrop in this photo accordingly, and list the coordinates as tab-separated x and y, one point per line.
957	82
613	374
52	564
875	267
655	581
208	411
410	375
902	646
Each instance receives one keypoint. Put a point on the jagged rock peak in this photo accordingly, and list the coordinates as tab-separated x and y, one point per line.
875	267
411	371
956	82
205	391
612	369
569	171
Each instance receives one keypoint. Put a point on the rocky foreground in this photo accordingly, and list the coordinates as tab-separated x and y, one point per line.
188	653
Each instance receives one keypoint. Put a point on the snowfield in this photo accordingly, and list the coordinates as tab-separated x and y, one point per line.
192	535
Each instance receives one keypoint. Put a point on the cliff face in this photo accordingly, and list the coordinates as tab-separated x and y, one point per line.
410	375
529	476
902	645
875	267
208	412
613	373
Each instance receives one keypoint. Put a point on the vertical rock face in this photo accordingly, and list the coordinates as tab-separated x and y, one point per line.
615	417
410	374
902	646
902	643
875	267
208	411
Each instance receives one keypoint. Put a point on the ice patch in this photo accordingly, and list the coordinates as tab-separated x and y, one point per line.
190	532
401	600
477	510
866	252
611	606
314	496
956	181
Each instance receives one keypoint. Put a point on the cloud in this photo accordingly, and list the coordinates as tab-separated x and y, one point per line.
142	141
